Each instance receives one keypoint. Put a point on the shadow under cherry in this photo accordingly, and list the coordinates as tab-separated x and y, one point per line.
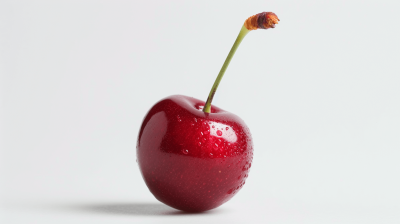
133	209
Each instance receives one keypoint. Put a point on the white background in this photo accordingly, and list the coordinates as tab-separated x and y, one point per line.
320	94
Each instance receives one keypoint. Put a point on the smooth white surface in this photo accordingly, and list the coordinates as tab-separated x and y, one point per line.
320	94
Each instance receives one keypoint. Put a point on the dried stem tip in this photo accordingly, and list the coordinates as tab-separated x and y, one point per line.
264	20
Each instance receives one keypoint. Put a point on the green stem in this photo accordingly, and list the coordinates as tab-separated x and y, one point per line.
242	34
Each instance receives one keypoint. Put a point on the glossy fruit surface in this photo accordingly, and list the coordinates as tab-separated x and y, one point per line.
192	160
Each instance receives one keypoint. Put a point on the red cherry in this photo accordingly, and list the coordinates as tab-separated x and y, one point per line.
191	154
184	167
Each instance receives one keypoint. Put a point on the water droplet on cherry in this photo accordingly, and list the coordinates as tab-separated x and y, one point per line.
185	151
227	128
199	143
219	133
230	191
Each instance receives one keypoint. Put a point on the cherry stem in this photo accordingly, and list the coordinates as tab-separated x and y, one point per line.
243	32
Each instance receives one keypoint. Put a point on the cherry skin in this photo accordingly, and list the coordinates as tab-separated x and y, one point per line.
192	160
